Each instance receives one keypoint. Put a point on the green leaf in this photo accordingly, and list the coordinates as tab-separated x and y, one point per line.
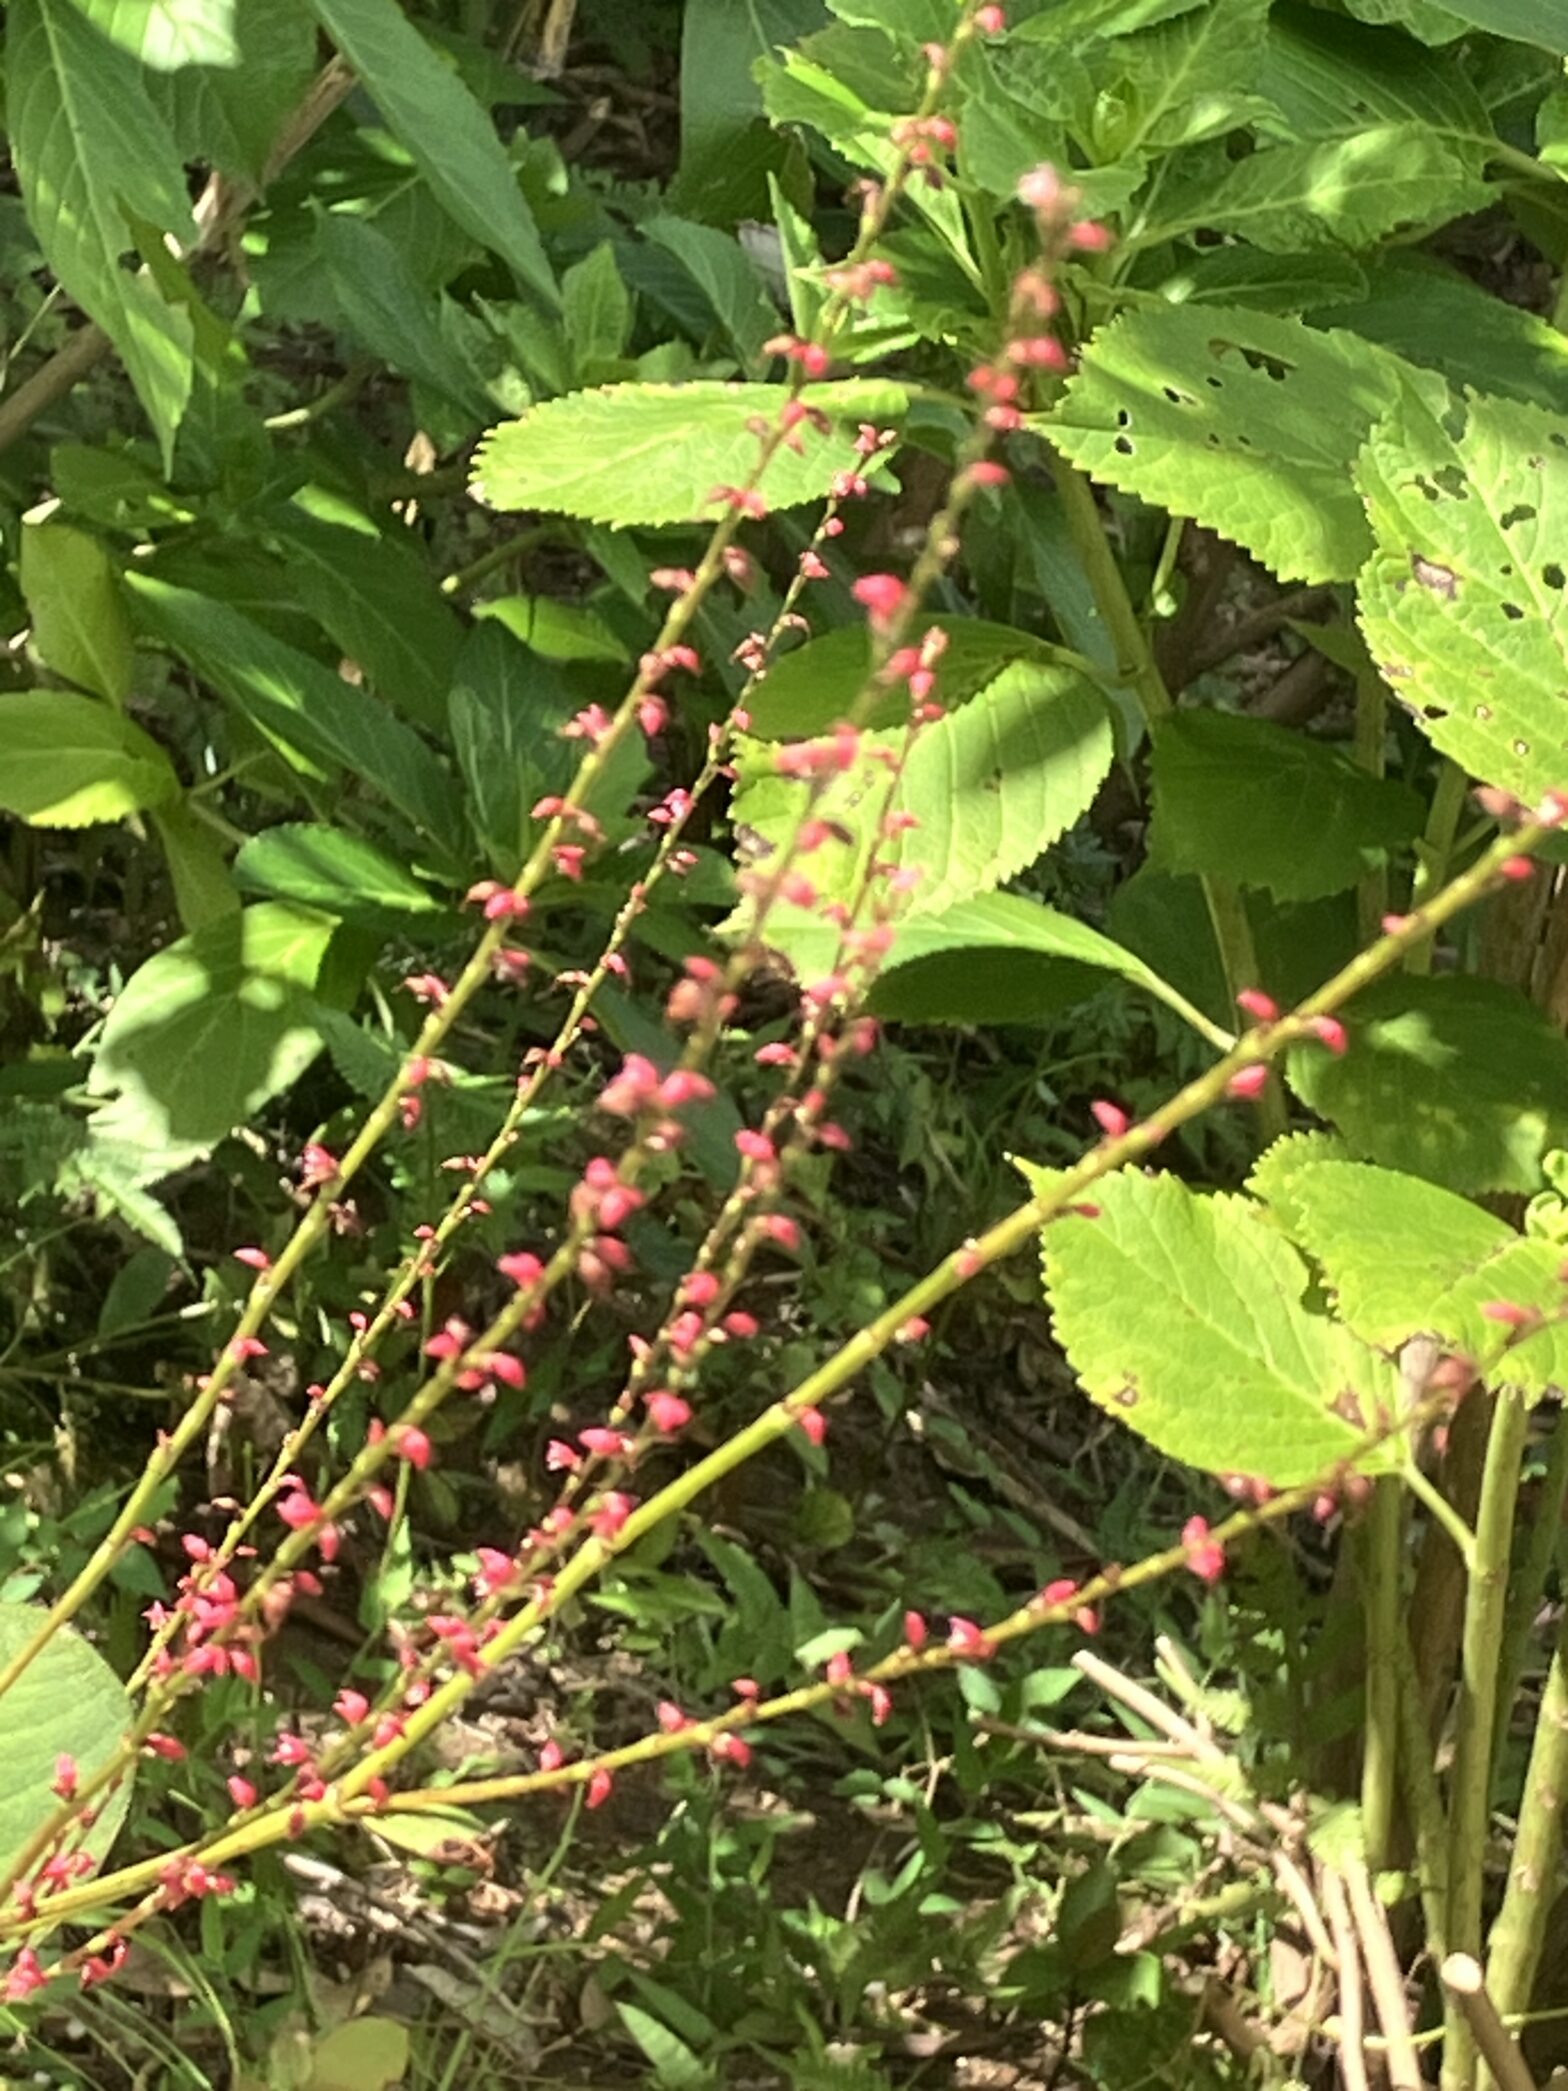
730	285
363	2054
1432	316
506	707
167	34
229	114
675	2066
809	690
558	631
596	307
1246	423
1351	191
92	155
396	318
992	785
1528	21
721	41
1326	77
1187	79
66	1703
443	130
299	705
206	1031
203	888
1183	1317
1462	1081
1241	799
71	762
382	606
651	454
329	869
80	628
1404	1258
997	959
1284	283
1464	603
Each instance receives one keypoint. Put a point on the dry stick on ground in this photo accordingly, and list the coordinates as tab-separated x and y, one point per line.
218	211
1384	1976
1352	1997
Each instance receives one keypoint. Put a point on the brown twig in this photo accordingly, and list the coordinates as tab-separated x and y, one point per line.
1463	1980
1384	1977
1352	1997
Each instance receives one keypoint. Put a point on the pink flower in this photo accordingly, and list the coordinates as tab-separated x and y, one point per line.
1262	1008
256	1259
23	1976
916	1632
560	1457
1062	1592
611	1512
520	1268
164	1746
551	1756
968	1641
410	1443
600	1787
882	596
241	1792
1330	1032
1205	1556
1112	1120
351	1707
732	1748
1248	1081
814	1424
667	1411
65	1777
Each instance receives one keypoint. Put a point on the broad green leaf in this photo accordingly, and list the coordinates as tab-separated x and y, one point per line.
1528	21
723	272
1464	603
506	708
1187	79
114	1168
1000	958
1433	316
382	606
167	34
1461	1081
330	869
92	155
1183	1316
1284	283
301	705
650	454
558	631
1328	77
208	1029
1276	1169
811	689
721	41
596	307
1241	799
1351	191
992	786
203	889
229	114
71	762
80	628
1246	423
66	1703
1402	1257
442	129
1426	20
363	2054
397	319
675	2066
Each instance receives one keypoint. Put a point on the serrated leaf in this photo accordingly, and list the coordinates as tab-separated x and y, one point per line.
1462	1081
208	1029
229	114
810	689
1433	316
92	154
381	604
719	266
71	762
80	628
992	785
67	1702
1300	817
1246	423
1275	1170
301	705
1327	77
596	306
649	454
1464	602
327	868
1182	1316
1283	283
443	130
115	1171
1187	79
1351	191
1405	1258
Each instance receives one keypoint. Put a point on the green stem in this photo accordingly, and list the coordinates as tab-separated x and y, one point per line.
1437	847
1382	1564
1423	1797
1486	1601
1139	672
1524	1595
1519	1934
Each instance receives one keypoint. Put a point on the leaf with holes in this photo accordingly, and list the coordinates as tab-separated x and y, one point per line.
1405	1258
1184	1317
1241	799
1461	1081
992	785
1464	602
1245	422
66	1703
628	454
